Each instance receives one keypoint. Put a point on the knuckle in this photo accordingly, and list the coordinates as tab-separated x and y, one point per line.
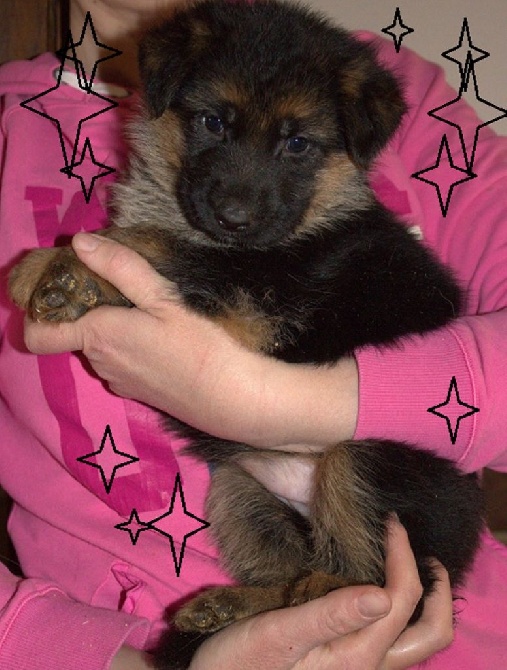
444	635
118	258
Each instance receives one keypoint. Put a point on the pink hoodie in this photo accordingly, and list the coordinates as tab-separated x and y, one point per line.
98	576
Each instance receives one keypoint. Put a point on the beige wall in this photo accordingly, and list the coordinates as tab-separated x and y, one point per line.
437	25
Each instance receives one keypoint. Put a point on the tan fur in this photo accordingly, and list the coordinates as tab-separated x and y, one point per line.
341	509
248	325
353	79
297	105
24	276
229	91
339	191
168	136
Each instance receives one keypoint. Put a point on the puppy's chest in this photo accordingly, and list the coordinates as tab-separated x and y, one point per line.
263	301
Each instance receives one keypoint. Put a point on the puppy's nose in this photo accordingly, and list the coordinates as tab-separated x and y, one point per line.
233	215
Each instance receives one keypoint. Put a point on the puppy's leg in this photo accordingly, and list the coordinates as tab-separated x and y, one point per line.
53	284
264	544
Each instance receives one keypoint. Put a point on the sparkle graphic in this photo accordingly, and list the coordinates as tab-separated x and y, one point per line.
454	413
74	48
84	174
134	526
51	98
470	95
397	30
465	51
445	176
177	525
164	524
108	459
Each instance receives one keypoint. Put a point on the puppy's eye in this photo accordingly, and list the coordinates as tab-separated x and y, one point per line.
297	144
213	123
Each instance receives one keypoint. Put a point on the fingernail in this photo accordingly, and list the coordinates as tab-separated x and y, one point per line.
372	605
86	241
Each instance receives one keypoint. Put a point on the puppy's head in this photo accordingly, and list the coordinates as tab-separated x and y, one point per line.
276	115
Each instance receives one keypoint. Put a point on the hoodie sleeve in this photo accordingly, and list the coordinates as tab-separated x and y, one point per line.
42	628
399	385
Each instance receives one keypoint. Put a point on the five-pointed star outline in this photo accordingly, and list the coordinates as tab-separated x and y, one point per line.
465	83
87	155
467	176
453	397
469	49
108	448
134	526
401	30
84	82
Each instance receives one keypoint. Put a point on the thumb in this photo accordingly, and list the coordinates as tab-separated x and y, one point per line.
325	619
129	272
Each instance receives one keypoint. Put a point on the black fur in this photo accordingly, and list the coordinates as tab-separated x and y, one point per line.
357	279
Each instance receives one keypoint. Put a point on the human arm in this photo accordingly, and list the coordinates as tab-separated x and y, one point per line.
192	369
397	386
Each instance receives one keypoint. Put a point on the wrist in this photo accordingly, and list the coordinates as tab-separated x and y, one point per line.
308	405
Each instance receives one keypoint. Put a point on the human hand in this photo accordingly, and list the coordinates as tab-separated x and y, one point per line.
163	354
128	658
357	628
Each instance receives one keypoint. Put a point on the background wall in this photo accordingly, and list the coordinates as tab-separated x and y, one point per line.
437	27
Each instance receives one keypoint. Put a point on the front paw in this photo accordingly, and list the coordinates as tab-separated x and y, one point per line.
64	294
53	285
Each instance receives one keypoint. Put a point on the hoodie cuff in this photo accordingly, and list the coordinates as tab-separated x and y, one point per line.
399	385
50	631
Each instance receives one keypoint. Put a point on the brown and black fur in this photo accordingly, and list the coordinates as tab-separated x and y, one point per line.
292	254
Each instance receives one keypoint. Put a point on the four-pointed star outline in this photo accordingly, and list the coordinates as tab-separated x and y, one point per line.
469	49
397	30
465	175
134	526
453	399
112	459
87	155
469	76
85	82
87	86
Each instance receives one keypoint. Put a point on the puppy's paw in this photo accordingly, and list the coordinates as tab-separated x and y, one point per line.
53	285
212	610
64	294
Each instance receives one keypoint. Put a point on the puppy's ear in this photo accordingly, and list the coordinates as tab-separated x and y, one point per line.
167	55
372	109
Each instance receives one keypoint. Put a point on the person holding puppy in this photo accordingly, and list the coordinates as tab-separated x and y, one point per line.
197	373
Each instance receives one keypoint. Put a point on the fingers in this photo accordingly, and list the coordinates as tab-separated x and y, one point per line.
49	338
124	268
432	633
294	637
317	623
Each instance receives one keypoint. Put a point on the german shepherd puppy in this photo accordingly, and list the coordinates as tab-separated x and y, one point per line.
248	190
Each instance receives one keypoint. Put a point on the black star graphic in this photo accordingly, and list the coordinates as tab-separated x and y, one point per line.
472	99
107	104
177	506
110	463
452	415
87	155
84	82
465	51
397	30
134	526
441	172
